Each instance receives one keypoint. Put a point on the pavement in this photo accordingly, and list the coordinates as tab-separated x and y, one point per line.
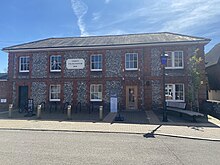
209	130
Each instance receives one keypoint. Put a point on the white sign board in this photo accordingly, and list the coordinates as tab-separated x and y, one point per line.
75	64
3	100
113	104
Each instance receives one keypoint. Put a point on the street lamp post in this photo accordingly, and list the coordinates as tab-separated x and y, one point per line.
164	63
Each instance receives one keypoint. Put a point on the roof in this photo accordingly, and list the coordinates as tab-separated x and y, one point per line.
213	56
108	40
3	76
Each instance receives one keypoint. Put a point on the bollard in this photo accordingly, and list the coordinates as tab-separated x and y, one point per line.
69	112
101	113
39	111
10	110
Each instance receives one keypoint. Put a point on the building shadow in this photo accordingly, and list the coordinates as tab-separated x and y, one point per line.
130	117
174	119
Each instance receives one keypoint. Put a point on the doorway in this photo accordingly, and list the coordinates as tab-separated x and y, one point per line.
23	96
131	97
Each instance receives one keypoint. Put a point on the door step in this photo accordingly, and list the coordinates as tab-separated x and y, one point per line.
110	117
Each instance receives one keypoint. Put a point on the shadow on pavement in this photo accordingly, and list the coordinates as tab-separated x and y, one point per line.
153	133
185	120
130	117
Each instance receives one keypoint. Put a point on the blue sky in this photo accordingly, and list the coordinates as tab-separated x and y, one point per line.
28	20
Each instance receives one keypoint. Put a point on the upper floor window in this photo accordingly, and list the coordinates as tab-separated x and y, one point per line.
175	60
55	63
174	92
131	61
54	92
96	92
24	64
96	62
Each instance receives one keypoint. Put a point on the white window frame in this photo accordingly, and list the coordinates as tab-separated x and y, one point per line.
55	70
129	61
173	60
58	92
93	55
96	86
27	64
174	92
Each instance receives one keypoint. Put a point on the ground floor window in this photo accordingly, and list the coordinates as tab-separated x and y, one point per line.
96	92
54	92
174	92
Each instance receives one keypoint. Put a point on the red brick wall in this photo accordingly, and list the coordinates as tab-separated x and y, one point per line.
4	94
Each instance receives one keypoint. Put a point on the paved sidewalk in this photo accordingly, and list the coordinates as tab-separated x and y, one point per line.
194	132
209	130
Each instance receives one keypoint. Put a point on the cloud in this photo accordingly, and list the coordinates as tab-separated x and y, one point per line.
96	16
191	15
80	9
107	1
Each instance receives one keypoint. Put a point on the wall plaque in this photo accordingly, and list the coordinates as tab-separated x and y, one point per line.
75	64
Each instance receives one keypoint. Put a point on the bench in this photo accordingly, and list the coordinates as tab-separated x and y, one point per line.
180	107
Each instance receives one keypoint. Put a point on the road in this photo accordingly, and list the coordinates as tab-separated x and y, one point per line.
49	147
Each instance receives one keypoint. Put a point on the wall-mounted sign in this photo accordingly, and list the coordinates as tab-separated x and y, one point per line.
3	100
113	103
75	64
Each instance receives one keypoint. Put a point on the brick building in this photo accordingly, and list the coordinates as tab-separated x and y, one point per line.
91	69
4	91
212	69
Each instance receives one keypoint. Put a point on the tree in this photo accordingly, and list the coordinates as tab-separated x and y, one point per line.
195	62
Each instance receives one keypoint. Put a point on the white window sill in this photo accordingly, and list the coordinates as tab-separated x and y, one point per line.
131	69
174	67
96	70
55	70
175	100
54	99
23	71
96	100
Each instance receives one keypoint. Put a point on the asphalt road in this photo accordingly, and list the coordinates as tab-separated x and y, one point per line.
37	147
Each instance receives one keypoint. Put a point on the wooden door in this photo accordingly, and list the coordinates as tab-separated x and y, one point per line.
131	97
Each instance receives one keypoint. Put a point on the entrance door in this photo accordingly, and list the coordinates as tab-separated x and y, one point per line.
23	96
131	97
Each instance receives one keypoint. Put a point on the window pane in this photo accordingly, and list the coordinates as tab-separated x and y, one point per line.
127	65
131	57
55	62
93	58
96	91
169	60
54	92
131	61
135	64
180	59
135	57
24	63
131	65
179	92
100	88
96	62
169	92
